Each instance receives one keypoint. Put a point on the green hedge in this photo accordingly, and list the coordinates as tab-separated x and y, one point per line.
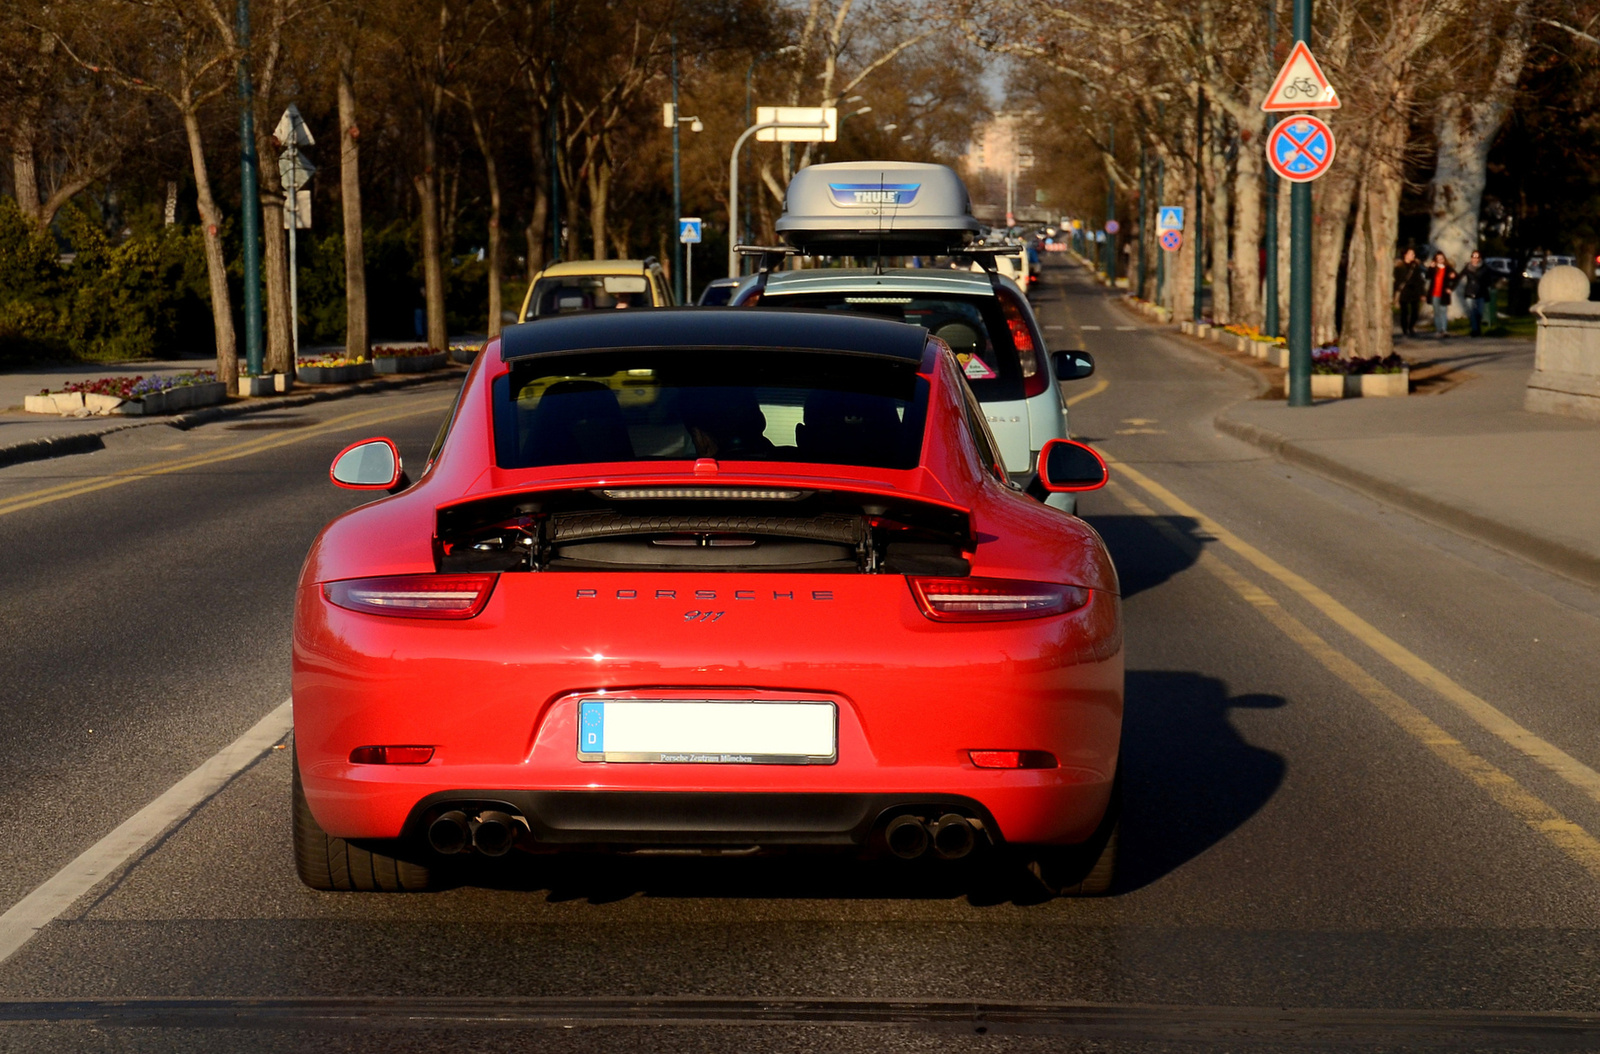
144	297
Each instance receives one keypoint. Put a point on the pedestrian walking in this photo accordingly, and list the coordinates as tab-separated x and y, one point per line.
1408	290
1477	286
1440	282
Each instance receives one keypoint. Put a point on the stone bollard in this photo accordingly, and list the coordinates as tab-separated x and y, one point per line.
1566	370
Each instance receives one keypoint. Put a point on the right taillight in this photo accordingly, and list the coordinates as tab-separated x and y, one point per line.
1035	374
994	599
413	596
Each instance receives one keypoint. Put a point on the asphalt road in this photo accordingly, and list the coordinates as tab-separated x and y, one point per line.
1362	805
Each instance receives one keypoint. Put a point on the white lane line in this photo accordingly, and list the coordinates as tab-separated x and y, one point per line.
1089	327
1126	329
59	892
1055	327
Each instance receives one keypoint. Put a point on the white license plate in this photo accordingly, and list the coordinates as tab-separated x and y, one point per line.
692	732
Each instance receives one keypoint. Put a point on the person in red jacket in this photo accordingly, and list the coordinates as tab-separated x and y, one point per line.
1440	283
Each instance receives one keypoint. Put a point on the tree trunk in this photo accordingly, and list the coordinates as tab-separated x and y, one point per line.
492	178
1465	129
1248	227
216	263
570	234
1369	288
1217	217
24	170
538	231
599	180
432	265
1333	195
275	266
356	338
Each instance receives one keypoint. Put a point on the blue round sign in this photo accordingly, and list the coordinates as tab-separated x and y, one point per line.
1300	148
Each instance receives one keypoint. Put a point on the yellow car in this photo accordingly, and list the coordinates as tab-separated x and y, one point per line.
595	285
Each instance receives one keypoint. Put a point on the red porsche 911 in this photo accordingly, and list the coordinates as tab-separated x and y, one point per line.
708	579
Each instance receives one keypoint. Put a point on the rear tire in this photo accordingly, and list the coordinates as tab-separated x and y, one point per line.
1087	870
333	864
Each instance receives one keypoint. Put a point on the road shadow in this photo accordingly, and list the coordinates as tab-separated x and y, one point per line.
1190	779
1144	556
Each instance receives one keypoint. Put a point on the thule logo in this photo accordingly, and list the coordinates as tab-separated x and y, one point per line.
869	194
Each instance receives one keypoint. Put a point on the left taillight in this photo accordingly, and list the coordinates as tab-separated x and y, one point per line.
1035	374
994	599
413	596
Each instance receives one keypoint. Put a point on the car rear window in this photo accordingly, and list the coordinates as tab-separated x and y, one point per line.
569	293
974	326
676	404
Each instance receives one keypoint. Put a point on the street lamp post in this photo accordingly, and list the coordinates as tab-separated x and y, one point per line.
250	200
1199	199
733	176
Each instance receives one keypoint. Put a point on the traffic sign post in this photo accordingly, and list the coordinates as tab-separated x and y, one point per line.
689	233
1300	148
1300	251
294	171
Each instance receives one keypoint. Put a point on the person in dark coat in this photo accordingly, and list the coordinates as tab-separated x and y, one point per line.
1477	286
1439	282
1408	288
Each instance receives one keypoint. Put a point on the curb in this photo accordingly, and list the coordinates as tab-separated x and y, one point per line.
89	442
1551	555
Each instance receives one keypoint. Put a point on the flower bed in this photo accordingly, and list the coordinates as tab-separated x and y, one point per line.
1327	359
408	359
465	353
156	394
333	369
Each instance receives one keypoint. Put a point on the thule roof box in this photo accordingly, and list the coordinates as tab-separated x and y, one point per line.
877	208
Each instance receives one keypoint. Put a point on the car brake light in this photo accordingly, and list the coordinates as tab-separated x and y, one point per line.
391	755
413	596
1035	375
1013	759
994	599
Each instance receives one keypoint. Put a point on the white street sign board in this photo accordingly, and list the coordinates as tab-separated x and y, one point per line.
1169	218
295	170
812	115
689	230
302	211
292	129
1301	85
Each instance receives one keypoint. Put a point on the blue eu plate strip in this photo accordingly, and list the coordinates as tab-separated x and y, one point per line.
592	727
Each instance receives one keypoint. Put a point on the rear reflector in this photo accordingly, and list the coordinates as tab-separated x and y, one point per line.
413	596
1012	759
994	599
391	755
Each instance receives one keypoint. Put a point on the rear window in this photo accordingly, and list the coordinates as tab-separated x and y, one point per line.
559	296
757	404
974	327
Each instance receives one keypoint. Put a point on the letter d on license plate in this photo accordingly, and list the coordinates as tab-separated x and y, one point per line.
712	732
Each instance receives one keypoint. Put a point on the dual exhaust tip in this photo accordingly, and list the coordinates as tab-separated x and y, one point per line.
950	836
491	832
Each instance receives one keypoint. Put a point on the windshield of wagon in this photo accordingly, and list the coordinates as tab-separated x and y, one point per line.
569	293
974	326
743	404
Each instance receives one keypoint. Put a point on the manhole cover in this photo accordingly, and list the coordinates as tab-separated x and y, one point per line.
267	423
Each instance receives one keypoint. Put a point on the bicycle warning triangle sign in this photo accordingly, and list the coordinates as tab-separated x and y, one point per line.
1301	85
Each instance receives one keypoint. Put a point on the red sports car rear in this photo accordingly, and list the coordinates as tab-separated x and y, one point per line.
709	579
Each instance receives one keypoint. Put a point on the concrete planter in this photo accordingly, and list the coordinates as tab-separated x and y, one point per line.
1346	386
465	356
271	384
334	374
1202	331
57	403
409	363
174	400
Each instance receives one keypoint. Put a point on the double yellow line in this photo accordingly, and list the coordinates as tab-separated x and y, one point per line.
1571	839
344	422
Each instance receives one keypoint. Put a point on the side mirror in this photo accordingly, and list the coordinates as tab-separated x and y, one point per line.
1072	365
1066	465
372	464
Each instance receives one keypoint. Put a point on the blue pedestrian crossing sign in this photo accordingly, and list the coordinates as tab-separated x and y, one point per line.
1170	218
689	230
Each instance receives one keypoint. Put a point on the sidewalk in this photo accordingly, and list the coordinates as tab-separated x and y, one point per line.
1467	457
33	437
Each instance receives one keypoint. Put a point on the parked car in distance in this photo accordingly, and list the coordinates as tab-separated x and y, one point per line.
595	285
718	292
